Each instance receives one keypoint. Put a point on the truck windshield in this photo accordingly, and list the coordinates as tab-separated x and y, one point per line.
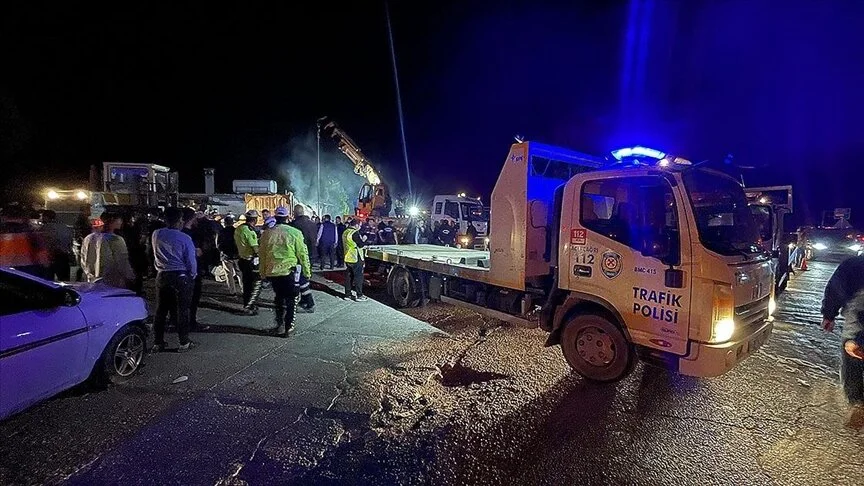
724	220
473	212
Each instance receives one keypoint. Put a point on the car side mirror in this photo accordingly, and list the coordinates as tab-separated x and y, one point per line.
67	297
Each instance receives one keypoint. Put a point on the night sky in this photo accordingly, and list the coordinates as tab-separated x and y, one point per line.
776	84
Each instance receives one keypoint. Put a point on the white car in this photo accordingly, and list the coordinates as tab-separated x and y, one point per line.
54	336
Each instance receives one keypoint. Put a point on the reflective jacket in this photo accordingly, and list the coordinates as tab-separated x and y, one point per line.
247	242
353	253
281	249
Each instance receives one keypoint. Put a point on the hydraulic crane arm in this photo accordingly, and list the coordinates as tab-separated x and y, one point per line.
362	166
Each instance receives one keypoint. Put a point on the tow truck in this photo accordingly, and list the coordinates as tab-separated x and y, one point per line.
649	257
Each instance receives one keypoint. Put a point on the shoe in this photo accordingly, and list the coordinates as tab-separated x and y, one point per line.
855	419
362	298
186	347
306	310
348	299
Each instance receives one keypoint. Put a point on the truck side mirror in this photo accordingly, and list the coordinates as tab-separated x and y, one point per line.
674	278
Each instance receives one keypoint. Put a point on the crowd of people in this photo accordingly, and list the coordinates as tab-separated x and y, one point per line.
178	247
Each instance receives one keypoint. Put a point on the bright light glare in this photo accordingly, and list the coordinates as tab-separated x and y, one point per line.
664	163
772	306
820	246
723	330
791	245
461	194
763	200
637	151
52	194
413	211
856	247
81	195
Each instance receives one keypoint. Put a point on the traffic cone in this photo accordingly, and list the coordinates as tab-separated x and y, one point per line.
804	264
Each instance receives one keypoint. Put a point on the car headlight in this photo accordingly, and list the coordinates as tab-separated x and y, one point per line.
819	246
723	311
855	247
772	306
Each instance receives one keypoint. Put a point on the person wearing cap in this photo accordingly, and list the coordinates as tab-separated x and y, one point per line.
310	236
104	255
354	240
284	258
247	249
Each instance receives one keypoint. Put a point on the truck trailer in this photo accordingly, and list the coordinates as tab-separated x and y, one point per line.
616	261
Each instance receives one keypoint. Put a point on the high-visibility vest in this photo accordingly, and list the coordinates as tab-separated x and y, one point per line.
352	252
19	250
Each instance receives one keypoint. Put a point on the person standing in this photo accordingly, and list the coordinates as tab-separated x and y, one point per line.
58	242
228	252
354	241
284	257
104	256
387	234
445	235
328	234
310	234
246	240
845	290
340	248
176	267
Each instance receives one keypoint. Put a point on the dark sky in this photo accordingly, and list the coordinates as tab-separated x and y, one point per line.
777	84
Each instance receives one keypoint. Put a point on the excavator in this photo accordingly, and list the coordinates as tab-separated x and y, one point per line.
374	198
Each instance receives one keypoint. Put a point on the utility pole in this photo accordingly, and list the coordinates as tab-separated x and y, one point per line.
318	136
398	97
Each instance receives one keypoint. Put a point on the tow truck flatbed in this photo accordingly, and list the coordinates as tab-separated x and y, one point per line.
456	262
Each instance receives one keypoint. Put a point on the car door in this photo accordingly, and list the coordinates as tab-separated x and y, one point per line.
615	246
43	342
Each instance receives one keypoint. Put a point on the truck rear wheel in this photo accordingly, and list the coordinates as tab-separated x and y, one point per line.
402	287
596	348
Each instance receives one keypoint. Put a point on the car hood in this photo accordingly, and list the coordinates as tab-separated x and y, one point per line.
100	290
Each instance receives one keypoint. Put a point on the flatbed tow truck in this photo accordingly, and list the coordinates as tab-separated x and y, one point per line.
650	258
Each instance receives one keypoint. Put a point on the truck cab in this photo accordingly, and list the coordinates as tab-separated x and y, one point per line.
462	212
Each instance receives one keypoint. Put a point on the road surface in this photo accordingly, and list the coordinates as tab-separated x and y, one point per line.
364	394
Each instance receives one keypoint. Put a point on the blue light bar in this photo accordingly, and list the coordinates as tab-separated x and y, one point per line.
637	151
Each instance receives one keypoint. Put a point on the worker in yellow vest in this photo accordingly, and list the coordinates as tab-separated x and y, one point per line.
284	259
353	241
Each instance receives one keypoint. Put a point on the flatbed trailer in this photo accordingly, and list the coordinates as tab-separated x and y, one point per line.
659	262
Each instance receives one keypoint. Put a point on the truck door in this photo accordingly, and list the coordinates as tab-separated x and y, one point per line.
625	234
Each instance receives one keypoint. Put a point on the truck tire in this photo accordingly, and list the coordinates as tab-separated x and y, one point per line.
402	287
596	348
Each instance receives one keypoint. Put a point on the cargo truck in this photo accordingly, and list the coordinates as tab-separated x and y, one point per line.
656	261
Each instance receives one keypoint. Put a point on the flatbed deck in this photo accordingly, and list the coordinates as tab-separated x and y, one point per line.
457	262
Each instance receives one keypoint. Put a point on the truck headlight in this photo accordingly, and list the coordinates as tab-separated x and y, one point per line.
723	330
722	314
464	240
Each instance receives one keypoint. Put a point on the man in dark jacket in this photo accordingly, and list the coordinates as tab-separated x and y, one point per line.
310	236
845	291
327	237
445	235
340	248
204	239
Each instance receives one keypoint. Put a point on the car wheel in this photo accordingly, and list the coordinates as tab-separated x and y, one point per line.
123	356
597	349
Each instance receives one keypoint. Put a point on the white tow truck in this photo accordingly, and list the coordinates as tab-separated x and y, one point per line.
652	258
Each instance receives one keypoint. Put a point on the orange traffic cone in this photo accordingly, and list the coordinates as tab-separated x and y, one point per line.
804	264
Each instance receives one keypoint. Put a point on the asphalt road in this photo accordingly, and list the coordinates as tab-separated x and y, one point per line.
363	394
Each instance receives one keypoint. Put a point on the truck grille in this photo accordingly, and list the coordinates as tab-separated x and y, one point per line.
751	315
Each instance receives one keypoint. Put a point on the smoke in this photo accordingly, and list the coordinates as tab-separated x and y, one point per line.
297	165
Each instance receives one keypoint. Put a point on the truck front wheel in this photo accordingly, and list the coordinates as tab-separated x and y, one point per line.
597	349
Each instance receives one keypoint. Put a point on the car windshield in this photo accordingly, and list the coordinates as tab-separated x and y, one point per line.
723	218
474	212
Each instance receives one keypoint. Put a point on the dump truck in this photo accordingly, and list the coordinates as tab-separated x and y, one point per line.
655	260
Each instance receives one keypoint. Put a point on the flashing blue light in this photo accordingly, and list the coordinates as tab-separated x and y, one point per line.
637	151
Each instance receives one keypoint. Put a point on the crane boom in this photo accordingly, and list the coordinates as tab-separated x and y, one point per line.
362	166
